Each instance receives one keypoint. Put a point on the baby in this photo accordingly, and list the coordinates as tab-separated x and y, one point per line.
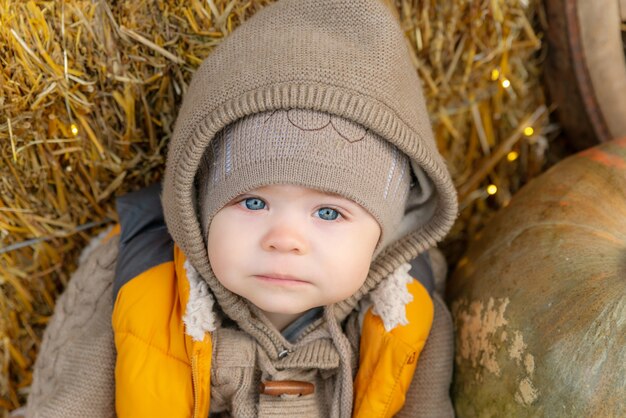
286	273
294	207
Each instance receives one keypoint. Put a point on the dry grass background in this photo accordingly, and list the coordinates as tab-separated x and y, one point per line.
90	92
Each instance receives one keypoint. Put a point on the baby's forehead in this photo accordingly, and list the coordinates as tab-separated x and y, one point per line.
296	190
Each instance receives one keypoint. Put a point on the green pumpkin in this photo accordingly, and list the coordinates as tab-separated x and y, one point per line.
539	300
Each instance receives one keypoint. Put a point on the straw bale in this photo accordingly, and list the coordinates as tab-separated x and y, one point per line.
90	91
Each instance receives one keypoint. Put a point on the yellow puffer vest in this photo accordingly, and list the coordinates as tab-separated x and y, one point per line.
161	372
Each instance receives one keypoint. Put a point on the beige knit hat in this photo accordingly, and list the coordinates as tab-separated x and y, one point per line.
307	148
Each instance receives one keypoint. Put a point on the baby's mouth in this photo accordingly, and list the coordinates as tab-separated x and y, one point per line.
280	279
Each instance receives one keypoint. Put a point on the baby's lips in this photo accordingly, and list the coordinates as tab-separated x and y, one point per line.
282	277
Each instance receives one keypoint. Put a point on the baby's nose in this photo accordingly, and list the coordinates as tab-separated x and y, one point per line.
285	237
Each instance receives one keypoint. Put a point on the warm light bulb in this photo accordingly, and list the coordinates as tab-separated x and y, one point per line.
492	189
495	74
74	129
528	131
506	83
512	156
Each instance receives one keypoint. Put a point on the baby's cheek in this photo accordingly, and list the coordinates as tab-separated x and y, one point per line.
218	258
355	273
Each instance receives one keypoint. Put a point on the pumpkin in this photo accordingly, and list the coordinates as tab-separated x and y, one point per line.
539	299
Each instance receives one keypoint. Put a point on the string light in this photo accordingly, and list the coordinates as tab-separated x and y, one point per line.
492	189
495	74
74	129
506	83
528	131
512	156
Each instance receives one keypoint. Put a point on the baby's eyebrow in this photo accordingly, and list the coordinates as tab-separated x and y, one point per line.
339	197
331	194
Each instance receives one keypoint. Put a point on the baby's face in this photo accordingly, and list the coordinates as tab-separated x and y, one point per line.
290	248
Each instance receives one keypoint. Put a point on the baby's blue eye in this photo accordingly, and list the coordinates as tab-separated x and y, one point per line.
328	214
253	203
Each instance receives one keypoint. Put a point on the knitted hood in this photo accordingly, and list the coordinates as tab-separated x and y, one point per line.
346	58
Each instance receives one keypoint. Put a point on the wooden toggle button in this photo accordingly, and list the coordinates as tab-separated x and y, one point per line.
286	387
